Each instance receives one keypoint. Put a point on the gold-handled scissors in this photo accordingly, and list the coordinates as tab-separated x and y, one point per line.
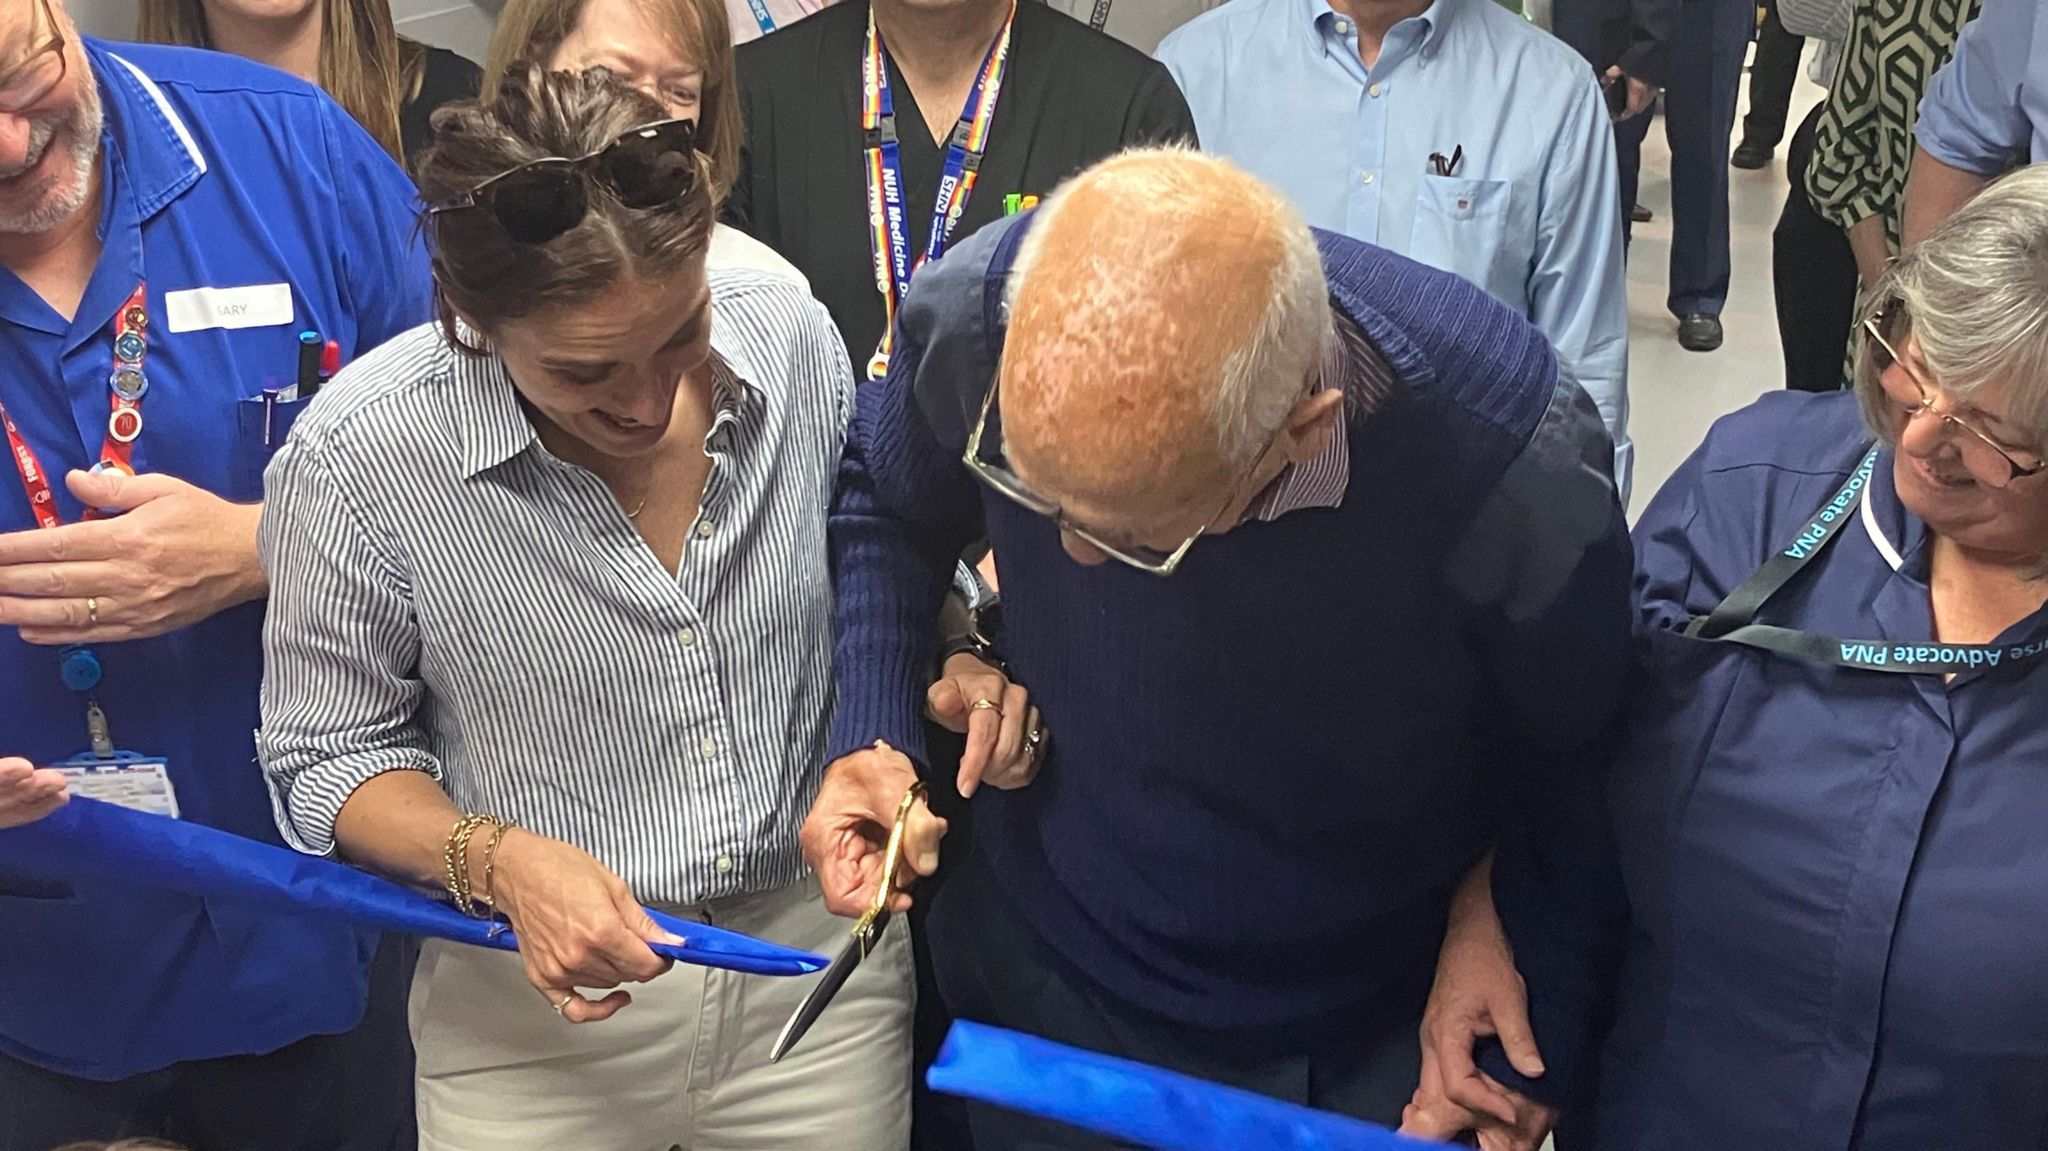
867	932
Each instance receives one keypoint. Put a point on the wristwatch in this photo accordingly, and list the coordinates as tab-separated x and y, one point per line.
984	620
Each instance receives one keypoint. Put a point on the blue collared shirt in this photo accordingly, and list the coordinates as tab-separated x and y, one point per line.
1986	110
1529	214
1839	878
217	173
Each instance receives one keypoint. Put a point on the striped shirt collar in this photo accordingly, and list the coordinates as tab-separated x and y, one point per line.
498	430
1356	368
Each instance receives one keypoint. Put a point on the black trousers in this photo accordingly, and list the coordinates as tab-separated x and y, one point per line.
1813	271
994	968
349	1092
1699	116
1772	73
937	1122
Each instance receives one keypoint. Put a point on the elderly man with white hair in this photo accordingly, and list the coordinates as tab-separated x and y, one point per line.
1312	560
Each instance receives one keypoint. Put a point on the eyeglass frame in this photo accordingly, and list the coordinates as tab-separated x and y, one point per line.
473	197
55	44
1872	329
1006	483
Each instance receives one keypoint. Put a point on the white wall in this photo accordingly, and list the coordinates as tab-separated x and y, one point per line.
463	25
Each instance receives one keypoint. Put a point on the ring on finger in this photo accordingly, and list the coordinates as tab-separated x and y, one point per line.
92	609
1034	742
564	1004
987	704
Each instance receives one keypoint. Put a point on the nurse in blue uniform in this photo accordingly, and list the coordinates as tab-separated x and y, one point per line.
1833	812
170	222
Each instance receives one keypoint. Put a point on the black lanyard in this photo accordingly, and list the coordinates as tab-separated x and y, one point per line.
1733	621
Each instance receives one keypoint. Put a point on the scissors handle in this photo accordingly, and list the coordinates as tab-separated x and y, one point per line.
891	859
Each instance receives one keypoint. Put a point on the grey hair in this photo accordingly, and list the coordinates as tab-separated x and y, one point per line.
1976	291
1261	381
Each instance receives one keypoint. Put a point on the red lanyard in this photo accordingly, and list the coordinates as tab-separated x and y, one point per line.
125	387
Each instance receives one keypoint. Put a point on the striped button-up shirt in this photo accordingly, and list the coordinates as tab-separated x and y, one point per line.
1356	368
448	596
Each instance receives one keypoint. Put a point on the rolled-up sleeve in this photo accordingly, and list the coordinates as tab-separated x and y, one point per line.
1973	116
340	694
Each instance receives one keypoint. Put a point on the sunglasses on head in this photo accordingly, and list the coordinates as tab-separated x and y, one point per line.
646	167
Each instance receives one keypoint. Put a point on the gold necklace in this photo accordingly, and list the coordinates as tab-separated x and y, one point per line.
639	507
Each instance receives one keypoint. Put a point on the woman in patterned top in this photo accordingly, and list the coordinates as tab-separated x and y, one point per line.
1863	144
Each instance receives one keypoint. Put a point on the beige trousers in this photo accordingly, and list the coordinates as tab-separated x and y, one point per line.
685	1065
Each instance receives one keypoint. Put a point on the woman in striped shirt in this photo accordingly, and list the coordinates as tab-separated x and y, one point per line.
550	624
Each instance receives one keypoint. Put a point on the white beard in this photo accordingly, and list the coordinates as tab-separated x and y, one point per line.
67	192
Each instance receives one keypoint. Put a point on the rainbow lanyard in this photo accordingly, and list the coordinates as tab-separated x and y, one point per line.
883	161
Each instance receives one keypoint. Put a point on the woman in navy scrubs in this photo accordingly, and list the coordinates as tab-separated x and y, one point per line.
1833	809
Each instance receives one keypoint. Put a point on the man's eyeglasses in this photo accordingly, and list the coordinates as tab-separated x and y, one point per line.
1988	460
40	71
648	166
1005	482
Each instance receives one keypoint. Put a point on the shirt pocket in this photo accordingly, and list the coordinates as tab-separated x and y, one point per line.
1461	225
261	426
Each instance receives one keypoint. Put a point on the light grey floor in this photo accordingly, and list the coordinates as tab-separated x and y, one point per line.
1675	395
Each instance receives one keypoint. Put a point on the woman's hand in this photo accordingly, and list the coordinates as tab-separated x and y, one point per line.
27	794
578	924
1000	751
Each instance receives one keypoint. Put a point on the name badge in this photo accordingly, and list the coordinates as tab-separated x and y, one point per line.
137	782
255	306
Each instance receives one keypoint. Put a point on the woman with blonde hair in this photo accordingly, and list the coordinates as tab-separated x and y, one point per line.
677	51
390	84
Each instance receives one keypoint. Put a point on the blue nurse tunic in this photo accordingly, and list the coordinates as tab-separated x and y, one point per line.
1839	878
252	207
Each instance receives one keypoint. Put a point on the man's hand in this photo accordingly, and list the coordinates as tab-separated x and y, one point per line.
848	829
1431	1116
28	794
1478	993
1640	95
999	752
177	555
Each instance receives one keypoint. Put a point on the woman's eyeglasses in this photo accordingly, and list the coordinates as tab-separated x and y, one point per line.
648	166
1986	459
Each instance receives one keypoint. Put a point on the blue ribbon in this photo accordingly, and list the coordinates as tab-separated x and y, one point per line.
86	839
1139	1104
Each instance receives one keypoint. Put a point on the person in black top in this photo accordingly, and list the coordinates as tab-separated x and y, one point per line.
390	84
1068	96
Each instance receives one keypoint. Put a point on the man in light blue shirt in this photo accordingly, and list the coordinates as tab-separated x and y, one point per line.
1985	113
1452	132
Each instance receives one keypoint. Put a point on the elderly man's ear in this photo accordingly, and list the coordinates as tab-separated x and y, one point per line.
1311	424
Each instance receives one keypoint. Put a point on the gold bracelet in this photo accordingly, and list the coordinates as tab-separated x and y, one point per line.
456	861
469	905
491	863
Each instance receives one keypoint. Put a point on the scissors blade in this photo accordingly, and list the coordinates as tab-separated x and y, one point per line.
835	977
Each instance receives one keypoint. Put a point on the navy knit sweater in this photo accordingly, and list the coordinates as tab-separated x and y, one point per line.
1270	769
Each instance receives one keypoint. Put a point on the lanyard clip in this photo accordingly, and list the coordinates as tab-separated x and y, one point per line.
97	730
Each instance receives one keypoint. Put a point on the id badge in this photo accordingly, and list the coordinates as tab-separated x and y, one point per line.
137	782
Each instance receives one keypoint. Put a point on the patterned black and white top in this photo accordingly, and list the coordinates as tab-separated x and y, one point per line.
1863	143
448	596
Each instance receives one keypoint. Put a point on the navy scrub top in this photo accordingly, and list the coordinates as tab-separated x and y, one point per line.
219	173
1839	878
